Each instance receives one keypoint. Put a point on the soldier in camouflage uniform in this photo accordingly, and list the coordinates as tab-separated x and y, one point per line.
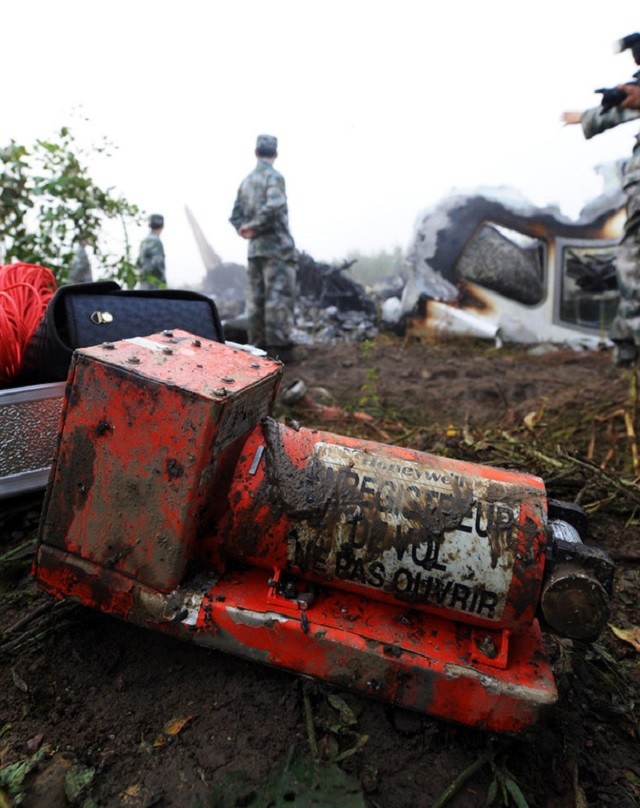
260	215
80	268
625	328
150	263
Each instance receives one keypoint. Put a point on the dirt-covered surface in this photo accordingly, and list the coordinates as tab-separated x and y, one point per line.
101	712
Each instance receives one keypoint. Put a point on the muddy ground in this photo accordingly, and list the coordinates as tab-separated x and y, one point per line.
102	713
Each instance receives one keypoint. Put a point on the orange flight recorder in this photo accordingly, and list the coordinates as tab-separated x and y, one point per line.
177	502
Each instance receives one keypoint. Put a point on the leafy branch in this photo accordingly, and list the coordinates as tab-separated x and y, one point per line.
48	200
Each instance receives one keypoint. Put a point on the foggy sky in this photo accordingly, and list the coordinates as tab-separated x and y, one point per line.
380	108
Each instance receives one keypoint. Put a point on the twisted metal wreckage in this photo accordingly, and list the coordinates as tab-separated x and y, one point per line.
490	264
177	502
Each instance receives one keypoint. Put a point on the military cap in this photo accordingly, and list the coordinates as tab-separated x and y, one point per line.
267	145
156	221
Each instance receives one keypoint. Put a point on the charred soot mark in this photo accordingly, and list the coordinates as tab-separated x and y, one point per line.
447	513
303	493
470	299
75	474
530	530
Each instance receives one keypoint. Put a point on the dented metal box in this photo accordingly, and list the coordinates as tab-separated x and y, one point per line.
187	403
29	422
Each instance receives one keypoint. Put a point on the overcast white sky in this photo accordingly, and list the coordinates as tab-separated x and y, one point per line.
381	108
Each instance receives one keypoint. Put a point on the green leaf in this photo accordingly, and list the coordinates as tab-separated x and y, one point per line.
362	739
503	788
76	779
13	775
347	716
514	789
492	792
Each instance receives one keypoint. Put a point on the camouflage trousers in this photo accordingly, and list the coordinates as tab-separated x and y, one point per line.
626	324
272	288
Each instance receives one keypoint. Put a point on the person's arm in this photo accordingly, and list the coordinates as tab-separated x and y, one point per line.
237	216
570	118
237	219
269	212
594	121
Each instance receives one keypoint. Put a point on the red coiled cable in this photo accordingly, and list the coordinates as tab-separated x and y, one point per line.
25	291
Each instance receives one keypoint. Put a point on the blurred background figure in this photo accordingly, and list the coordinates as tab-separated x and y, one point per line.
80	269
151	261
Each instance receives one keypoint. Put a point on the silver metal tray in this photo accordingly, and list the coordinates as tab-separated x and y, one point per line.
29	423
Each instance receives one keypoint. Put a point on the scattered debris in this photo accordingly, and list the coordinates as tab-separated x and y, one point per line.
172	728
330	306
227	284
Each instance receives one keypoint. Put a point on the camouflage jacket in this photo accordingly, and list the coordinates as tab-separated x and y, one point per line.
261	204
594	122
151	258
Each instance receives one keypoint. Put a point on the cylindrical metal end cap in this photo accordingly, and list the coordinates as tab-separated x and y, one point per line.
575	604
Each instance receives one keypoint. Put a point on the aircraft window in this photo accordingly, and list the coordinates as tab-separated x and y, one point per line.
506	262
588	286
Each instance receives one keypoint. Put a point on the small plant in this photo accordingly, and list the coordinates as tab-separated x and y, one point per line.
369	398
503	789
366	349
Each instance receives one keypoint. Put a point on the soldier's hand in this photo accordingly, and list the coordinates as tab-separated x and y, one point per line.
246	232
569	118
632	96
